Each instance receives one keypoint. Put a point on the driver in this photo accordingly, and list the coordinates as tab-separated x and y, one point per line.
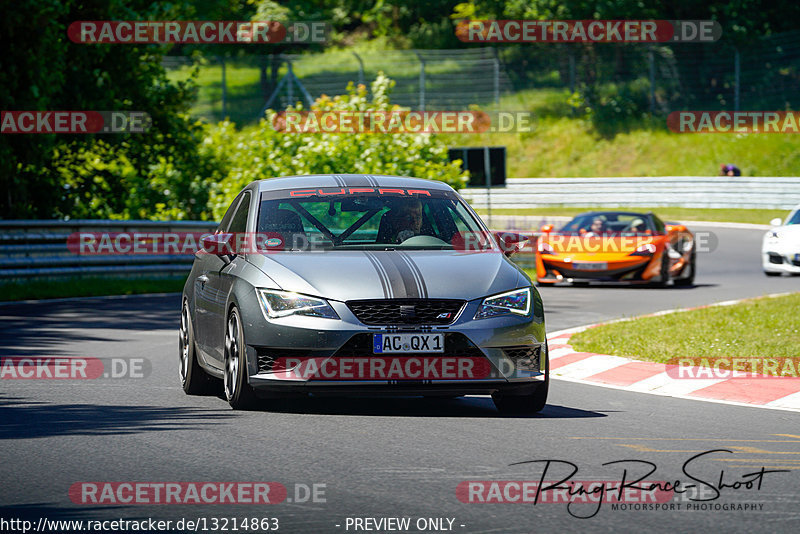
404	220
637	226
597	228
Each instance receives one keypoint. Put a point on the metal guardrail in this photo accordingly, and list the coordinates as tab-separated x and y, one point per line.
678	191
38	248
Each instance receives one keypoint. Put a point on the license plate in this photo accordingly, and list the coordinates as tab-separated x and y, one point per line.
590	266
797	257
402	343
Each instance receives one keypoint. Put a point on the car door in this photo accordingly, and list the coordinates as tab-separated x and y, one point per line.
210	297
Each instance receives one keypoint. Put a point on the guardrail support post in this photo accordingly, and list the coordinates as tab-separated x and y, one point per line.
360	69
496	76
736	79
488	175
224	88
652	60
421	81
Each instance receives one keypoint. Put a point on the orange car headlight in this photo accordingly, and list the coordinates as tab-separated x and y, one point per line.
645	250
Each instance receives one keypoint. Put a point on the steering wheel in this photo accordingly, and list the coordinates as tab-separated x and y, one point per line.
424	241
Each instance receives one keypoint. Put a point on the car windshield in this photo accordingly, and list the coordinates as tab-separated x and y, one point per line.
795	218
382	219
609	223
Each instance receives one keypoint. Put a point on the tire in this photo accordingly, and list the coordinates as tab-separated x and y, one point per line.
690	279
194	380
771	273
664	273
526	404
238	391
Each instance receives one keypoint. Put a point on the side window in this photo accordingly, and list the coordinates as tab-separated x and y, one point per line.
226	219
239	220
660	228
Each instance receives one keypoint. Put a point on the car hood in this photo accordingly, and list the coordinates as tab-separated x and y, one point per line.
348	275
791	232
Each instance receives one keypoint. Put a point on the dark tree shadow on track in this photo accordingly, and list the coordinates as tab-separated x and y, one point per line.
466	407
23	419
50	326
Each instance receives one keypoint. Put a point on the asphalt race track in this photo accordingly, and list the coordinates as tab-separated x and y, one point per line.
388	458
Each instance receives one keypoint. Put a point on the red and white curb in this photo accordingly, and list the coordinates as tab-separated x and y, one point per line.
652	378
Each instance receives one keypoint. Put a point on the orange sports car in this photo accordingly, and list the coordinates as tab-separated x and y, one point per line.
616	246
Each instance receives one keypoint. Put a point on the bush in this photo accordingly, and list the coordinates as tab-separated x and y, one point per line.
260	152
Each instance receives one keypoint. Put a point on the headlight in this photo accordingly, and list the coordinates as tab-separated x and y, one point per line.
644	250
517	302
282	303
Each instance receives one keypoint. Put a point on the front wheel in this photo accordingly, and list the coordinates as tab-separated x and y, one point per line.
689	280
771	273
663	277
194	380
526	404
238	391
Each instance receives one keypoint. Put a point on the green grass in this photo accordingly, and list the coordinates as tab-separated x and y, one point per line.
565	146
561	145
665	213
243	98
756	328
87	287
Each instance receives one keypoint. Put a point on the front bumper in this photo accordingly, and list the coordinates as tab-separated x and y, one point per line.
509	349
781	260
633	271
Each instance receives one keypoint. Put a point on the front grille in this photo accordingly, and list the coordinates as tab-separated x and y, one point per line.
267	357
524	357
455	344
775	258
406	311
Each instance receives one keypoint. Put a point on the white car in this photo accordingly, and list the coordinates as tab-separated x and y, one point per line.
780	252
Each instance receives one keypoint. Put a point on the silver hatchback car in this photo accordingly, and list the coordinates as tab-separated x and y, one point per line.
360	285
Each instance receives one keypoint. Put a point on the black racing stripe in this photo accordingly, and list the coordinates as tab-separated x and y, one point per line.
423	288
381	274
356	180
394	276
410	285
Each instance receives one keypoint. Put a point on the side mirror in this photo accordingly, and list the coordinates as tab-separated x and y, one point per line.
510	242
676	228
547	228
776	222
218	245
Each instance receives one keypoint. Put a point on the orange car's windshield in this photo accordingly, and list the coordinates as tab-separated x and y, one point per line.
609	223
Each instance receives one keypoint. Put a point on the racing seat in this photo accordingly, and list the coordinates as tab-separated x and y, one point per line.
286	224
386	233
